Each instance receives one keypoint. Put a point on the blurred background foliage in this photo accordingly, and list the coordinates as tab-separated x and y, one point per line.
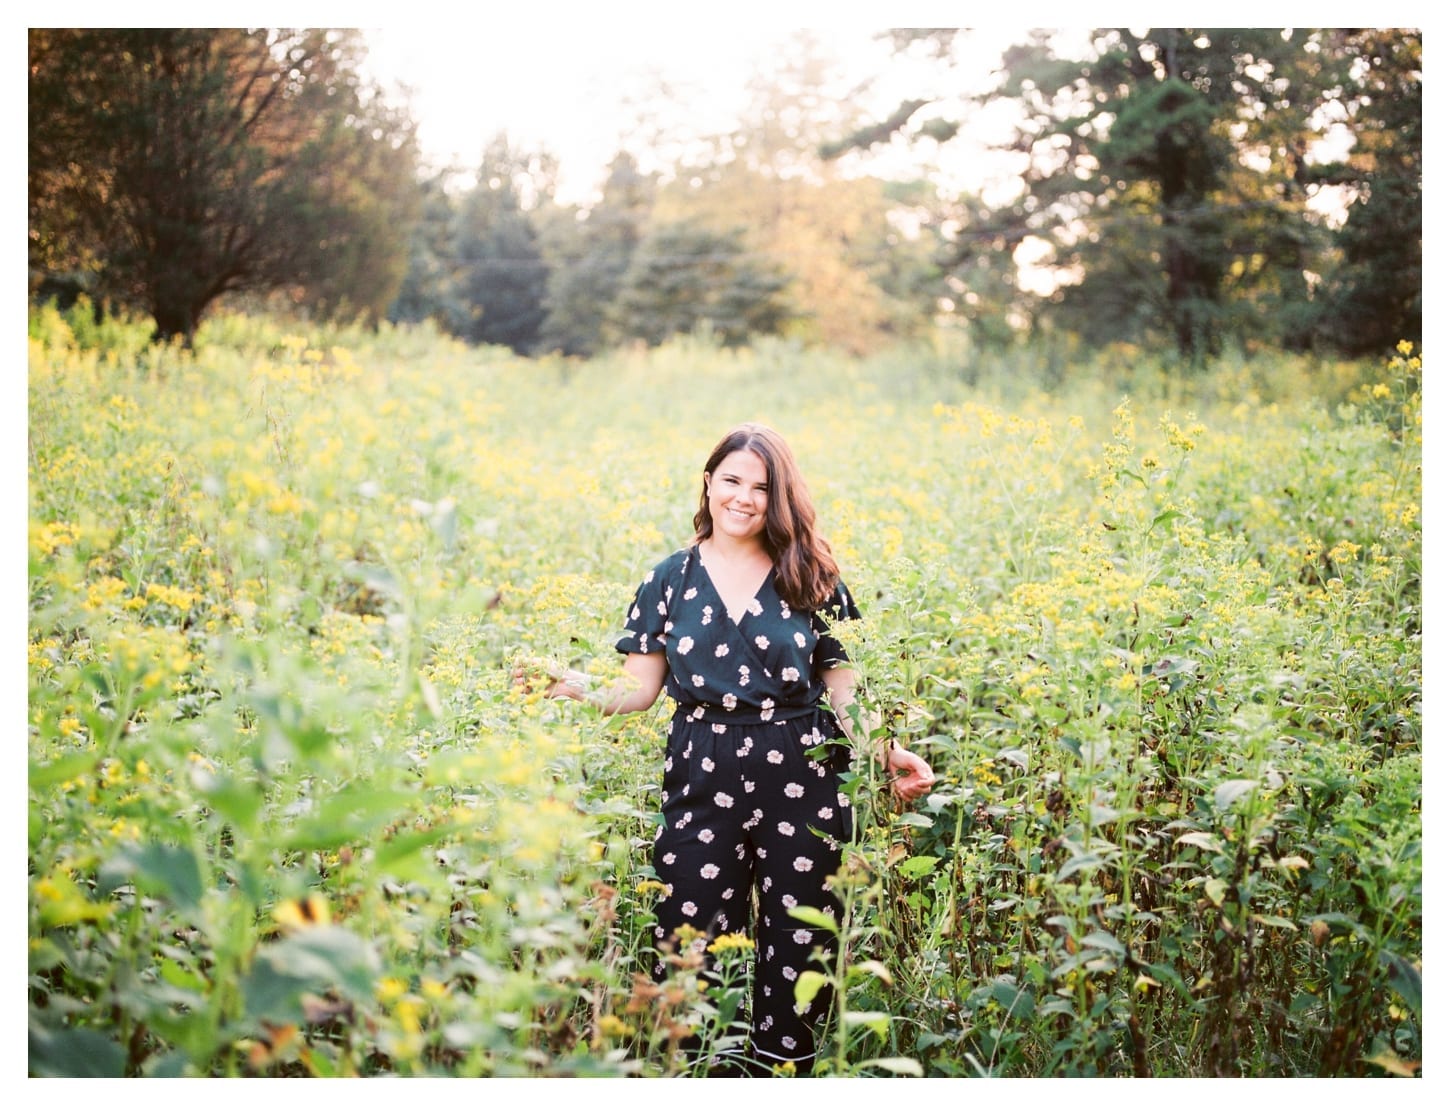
1185	190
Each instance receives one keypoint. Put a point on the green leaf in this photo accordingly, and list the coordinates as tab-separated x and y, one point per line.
1215	889
896	1065
167	870
74	1053
914	867
807	985
1231	791
1013	998
60	770
878	1021
236	800
314	961
813	917
1166	516
1101	939
911	818
1201	840
348	816
1404	977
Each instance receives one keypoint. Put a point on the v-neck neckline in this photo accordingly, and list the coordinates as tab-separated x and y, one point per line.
749	603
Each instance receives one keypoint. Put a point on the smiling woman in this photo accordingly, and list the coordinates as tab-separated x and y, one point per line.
738	626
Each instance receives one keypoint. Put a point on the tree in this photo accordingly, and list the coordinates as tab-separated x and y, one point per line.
429	290
1165	173
502	275
685	277
174	166
1373	298
856	278
589	257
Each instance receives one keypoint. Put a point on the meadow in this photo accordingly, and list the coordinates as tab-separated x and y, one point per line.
1159	635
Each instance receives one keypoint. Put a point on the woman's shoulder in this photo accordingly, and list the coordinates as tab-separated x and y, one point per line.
672	565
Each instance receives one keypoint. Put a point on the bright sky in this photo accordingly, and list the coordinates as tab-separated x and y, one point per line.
564	88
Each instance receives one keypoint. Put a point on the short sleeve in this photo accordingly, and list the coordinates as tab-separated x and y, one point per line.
838	607
645	622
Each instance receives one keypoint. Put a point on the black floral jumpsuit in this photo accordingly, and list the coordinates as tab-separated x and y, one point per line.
742	797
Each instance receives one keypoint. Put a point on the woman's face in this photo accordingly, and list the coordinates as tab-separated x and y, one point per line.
739	494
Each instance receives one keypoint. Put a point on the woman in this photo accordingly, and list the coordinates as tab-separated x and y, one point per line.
737	627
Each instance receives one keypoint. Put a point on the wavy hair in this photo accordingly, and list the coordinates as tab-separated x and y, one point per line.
806	571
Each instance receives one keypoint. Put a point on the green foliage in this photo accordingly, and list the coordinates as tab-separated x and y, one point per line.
288	814
174	166
1173	182
686	279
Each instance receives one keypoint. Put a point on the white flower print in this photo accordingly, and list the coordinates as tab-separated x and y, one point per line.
722	650
802	864
686	644
706	615
786	829
689	909
824	813
669	626
789	902
762	642
765	885
717	727
802	937
707	764
800	639
794	790
790	675
669	763
775	756
668	858
697	680
644	642
709	871
728	894
662	608
650	575
784	609
841	800
697	714
789	974
755	608
728	701
749	786
692	593
787	1042
723	800
767	708
634	613
706	835
744	675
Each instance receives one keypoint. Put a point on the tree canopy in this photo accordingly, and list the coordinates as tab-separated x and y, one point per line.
1168	173
172	166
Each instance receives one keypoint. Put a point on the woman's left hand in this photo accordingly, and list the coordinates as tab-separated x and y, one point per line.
911	776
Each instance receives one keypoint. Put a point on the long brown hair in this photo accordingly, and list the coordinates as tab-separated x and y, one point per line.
806	572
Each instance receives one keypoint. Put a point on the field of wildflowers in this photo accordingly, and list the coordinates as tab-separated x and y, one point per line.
288	815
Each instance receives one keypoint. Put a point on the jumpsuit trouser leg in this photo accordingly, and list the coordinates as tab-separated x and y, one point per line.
739	806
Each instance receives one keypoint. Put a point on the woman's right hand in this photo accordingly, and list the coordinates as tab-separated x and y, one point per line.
534	674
